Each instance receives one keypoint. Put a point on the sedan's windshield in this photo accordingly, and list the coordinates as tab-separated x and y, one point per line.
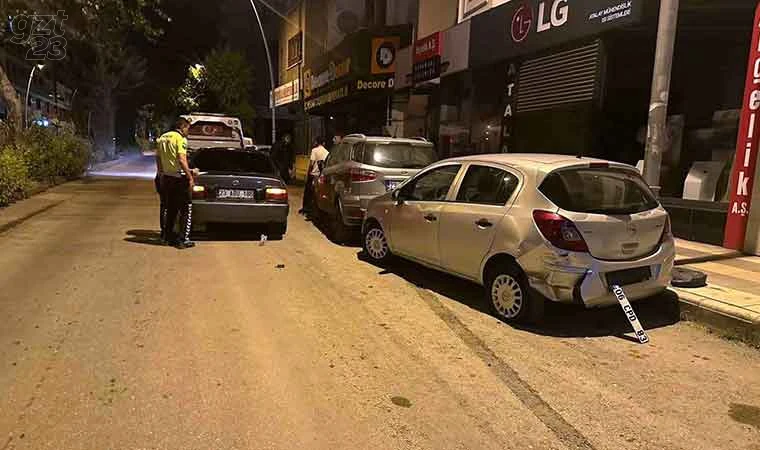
401	156
232	161
598	191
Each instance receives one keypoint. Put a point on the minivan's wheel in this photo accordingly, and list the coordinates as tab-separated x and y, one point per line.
509	296
375	244
340	231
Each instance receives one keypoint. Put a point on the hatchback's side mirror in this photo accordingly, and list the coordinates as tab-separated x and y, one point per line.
398	197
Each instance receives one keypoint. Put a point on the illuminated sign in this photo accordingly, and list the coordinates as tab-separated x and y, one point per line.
334	71
746	149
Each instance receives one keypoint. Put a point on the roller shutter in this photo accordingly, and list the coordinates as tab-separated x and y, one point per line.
566	77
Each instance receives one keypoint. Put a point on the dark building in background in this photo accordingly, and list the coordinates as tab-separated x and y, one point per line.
49	99
337	66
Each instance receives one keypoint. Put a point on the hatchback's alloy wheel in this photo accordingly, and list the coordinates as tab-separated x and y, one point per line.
507	296
375	244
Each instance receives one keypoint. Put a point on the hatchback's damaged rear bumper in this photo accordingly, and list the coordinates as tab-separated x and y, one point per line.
583	279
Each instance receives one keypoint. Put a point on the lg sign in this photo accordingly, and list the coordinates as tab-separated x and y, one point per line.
548	17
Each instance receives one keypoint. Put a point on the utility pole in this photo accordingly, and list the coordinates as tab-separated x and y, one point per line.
658	105
271	72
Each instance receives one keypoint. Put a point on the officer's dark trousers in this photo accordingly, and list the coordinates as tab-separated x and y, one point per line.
162	208
179	207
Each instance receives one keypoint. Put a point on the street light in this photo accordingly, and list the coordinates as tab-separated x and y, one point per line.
28	87
271	71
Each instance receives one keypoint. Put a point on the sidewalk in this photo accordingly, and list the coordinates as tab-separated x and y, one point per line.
730	303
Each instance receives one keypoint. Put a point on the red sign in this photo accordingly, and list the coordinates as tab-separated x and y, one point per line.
522	22
742	176
428	47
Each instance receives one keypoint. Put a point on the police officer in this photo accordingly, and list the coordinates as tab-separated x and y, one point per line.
176	184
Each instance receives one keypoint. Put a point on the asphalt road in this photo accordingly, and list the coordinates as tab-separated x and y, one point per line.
109	341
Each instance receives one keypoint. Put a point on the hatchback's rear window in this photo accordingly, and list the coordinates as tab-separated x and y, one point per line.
231	161
401	156
598	191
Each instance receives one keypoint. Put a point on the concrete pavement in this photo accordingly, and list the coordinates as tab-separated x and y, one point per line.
109	341
129	165
730	303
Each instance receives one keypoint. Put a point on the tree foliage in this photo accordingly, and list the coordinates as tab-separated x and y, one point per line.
101	55
221	84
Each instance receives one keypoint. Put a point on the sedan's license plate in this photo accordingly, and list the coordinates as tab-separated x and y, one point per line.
629	276
236	194
391	185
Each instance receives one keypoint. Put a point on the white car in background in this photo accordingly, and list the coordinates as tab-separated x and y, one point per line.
529	227
208	130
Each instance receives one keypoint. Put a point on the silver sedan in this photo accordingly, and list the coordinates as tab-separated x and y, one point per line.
529	227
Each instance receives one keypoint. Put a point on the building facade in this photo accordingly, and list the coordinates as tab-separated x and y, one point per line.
49	100
560	76
337	66
574	77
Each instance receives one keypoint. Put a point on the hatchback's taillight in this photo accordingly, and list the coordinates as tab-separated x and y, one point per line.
199	192
276	195
360	175
667	231
559	231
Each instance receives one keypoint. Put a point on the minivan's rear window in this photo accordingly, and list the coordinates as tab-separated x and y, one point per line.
210	129
231	161
598	191
401	156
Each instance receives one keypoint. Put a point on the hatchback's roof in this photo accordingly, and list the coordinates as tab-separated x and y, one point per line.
542	161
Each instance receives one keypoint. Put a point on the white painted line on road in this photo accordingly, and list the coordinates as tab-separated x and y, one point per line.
630	314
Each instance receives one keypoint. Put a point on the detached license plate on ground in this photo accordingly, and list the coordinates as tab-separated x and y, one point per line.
391	185
236	194
629	276
641	334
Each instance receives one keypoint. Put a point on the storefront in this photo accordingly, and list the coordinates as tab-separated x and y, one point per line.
351	87
575	77
538	74
428	104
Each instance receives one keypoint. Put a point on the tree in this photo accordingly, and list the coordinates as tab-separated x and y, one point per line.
105	34
111	29
8	39
221	84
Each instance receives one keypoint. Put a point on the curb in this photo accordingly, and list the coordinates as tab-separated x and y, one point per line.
725	320
5	227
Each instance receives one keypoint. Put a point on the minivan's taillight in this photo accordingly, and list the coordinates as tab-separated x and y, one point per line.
276	195
559	231
360	175
199	192
667	231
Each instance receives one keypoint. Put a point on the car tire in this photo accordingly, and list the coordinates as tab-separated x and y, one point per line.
510	298
278	230
341	232
320	217
375	244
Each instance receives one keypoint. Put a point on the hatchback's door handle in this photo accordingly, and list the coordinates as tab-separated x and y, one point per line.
431	218
484	223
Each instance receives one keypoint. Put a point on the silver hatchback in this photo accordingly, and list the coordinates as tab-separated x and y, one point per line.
359	169
529	227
